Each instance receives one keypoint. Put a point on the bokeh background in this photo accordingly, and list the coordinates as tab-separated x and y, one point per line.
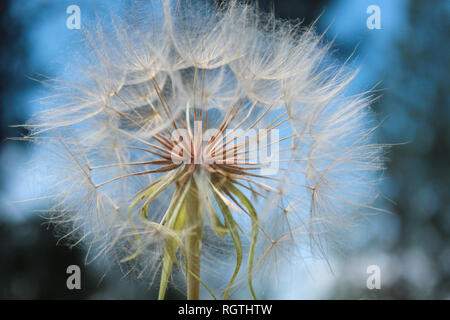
409	59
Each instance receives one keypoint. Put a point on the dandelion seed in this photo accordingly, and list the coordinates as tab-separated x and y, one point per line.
205	132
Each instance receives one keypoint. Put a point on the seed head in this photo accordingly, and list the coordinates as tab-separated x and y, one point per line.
187	134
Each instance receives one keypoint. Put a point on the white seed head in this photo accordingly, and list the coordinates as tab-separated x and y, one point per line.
304	162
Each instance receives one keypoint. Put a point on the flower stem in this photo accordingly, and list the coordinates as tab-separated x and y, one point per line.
194	225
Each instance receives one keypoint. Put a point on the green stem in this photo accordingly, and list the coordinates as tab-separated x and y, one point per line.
194	225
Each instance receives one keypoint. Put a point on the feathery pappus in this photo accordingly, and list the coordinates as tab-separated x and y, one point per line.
212	141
